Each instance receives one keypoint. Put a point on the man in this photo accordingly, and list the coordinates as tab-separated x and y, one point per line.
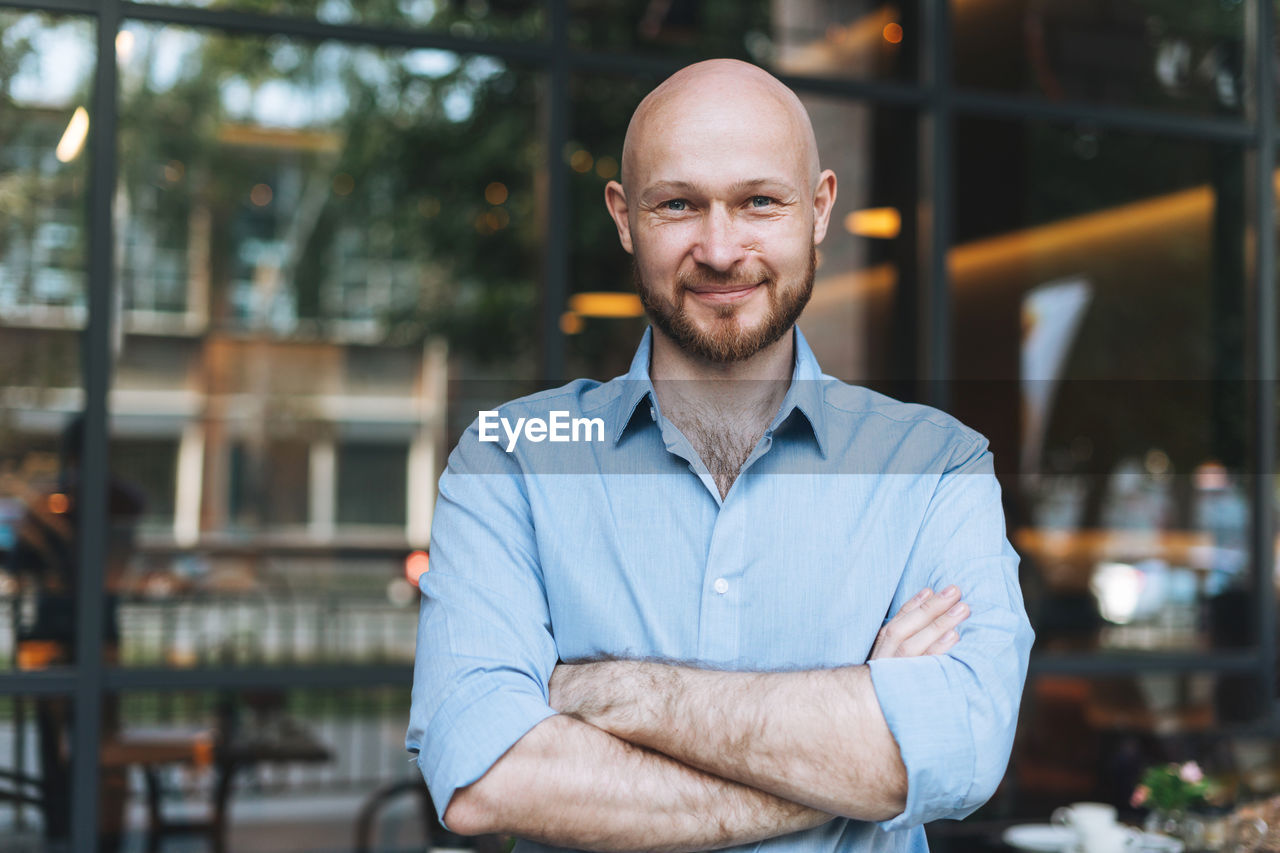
742	514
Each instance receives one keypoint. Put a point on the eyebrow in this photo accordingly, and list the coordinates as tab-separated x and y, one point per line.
737	188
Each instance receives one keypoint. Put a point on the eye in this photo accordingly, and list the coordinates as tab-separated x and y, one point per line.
760	201
676	204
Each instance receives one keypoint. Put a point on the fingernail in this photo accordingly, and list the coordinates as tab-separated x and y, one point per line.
951	591
958	609
923	594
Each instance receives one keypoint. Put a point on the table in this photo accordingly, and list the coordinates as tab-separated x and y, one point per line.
283	741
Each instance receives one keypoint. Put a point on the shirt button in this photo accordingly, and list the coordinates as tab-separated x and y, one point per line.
653	413
722	586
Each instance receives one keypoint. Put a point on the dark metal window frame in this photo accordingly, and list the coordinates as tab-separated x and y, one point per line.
938	105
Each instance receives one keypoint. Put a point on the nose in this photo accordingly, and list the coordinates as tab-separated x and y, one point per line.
720	244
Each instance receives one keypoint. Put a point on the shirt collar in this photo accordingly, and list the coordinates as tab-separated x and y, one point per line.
804	394
636	387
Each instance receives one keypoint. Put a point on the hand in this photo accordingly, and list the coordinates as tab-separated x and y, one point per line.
926	625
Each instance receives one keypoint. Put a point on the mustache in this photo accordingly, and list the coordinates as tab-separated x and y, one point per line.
708	280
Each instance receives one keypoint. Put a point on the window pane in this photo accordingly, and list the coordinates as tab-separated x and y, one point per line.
866	39
1099	336
1183	57
856	322
46	65
321	243
46	84
480	19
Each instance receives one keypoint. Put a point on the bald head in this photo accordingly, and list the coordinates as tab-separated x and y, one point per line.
718	93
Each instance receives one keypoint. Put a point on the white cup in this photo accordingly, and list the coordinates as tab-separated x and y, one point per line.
1081	816
1095	827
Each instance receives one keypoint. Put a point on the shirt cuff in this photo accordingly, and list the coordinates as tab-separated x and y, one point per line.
469	734
929	719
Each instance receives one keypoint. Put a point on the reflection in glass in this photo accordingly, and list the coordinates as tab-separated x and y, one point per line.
1162	54
856	322
1098	290
45	83
46	68
867	39
315	240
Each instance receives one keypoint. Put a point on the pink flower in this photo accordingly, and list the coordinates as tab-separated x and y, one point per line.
1190	773
1140	795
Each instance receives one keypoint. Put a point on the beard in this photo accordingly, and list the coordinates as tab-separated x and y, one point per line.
726	342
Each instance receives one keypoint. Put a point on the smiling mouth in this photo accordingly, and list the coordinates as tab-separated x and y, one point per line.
725	295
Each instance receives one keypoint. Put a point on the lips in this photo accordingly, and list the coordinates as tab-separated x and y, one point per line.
724	294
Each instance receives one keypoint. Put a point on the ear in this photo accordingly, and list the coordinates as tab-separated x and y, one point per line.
615	199
824	200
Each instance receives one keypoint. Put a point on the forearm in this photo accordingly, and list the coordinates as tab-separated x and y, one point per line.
566	783
815	737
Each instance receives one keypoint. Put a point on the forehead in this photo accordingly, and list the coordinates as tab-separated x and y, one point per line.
715	145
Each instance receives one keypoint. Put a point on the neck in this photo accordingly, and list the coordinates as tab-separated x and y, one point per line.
756	385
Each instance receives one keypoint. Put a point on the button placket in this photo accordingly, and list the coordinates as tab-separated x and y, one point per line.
722	601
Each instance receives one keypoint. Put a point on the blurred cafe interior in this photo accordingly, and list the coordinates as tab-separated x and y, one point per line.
262	261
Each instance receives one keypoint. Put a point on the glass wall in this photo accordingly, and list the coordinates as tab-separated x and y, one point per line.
339	229
1099	291
46	68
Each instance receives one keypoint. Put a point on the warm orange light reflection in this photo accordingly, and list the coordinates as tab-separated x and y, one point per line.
415	566
880	222
260	195
892	33
1140	226
606	304
58	503
842	45
39	654
495	193
606	167
202	750
571	322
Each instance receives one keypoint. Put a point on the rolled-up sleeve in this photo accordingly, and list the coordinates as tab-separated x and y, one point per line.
484	648
954	715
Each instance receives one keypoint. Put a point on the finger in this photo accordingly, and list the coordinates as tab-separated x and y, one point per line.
953	617
921	640
944	643
887	639
910	623
916	600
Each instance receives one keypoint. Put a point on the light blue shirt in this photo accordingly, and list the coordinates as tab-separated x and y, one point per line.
850	504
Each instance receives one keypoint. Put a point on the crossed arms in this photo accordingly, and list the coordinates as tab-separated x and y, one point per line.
698	759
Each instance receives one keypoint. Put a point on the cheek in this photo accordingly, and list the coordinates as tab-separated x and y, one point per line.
661	252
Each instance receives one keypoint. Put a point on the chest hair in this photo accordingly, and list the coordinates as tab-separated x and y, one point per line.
723	443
